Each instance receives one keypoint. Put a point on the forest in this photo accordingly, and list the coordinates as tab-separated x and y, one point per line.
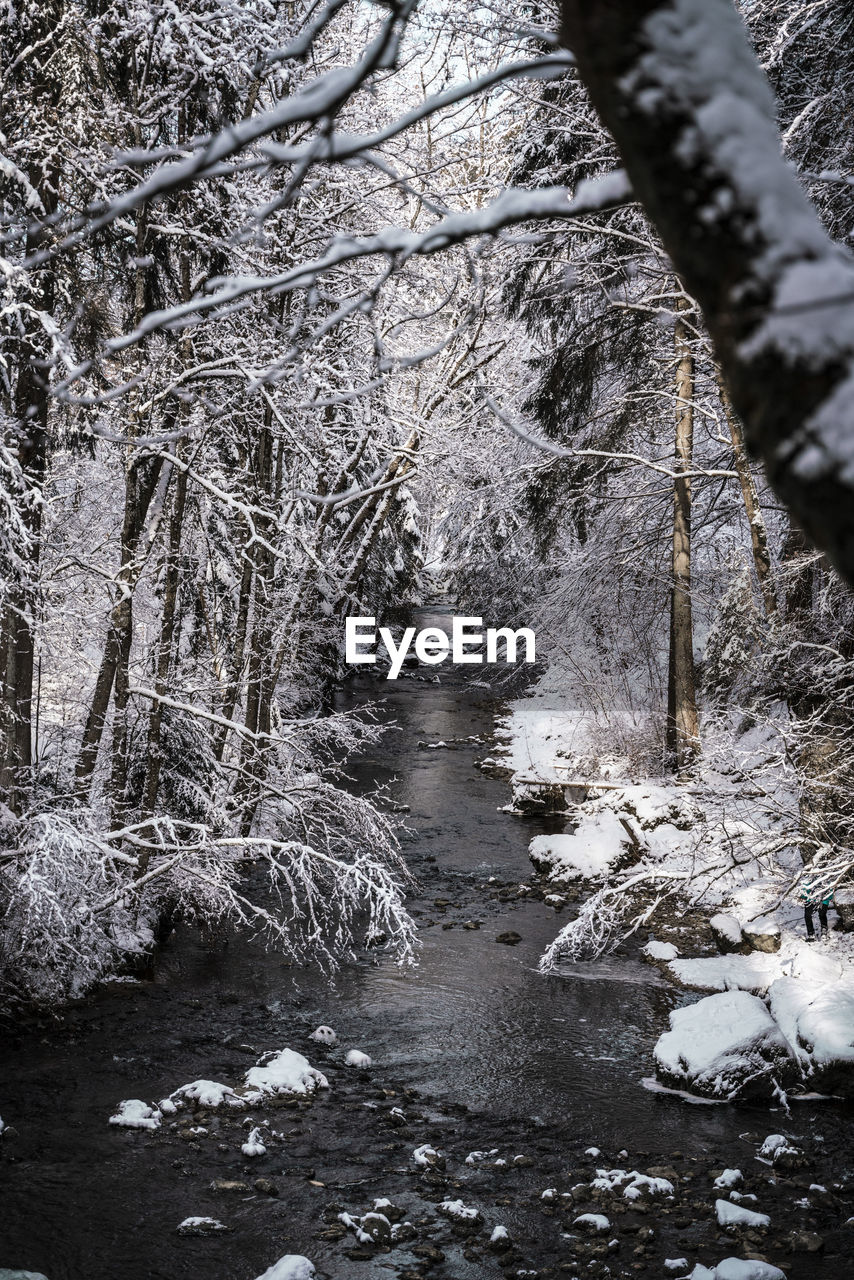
325	323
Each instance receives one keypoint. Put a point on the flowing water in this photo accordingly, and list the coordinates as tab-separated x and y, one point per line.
473	1026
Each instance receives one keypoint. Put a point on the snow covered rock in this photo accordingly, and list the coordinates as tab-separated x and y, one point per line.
819	1025
631	1184
134	1114
598	845
477	1157
660	950
427	1157
201	1227
324	1035
500	1240
6	1274
843	900
726	932
293	1266
814	966
724	1046
729	1178
740	1269
355	1058
286	1072
464	1217
209	1094
762	935
595	1223
777	1150
734	1215
376	1226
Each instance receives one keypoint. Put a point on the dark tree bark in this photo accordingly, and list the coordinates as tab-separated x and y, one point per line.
683	741
678	86
30	440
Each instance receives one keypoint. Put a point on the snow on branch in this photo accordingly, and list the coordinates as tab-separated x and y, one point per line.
513	206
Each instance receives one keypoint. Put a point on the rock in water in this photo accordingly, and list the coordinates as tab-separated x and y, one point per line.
324	1035
285	1072
427	1157
201	1227
724	1046
355	1058
509	938
293	1266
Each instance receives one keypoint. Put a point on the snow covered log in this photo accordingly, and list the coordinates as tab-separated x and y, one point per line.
678	85
725	1046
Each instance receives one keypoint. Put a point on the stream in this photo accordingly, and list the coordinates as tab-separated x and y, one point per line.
477	1048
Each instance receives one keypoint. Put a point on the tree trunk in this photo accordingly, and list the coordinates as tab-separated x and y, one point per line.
139	492
750	494
171	581
30	442
683	741
259	688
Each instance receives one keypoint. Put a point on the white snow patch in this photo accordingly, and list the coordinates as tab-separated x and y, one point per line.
599	841
355	1058
632	1184
476	1157
253	1146
456	1209
293	1266
729	1178
208	1093
200	1227
287	1072
594	1221
660	950
135	1114
733	1215
743	1269
426	1156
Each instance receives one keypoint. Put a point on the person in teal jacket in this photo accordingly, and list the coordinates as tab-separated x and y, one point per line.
812	898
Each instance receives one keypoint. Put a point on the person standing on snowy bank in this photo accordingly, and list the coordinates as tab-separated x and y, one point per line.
813	897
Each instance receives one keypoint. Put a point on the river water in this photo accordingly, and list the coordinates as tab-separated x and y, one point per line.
487	1042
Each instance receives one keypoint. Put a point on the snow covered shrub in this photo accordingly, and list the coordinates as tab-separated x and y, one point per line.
319	869
64	923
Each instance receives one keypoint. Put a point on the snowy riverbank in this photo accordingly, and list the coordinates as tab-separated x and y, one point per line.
723	844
